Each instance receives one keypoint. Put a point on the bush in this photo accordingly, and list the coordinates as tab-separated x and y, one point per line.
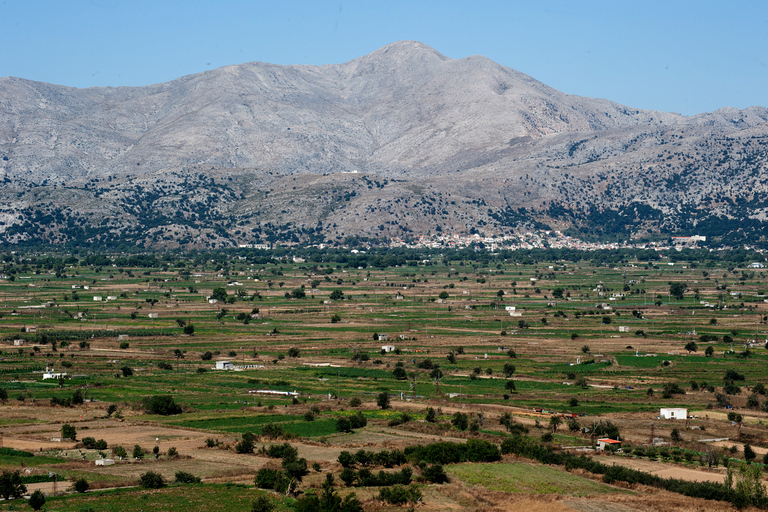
343	424
11	485
262	504
399	494
355	402
68	432
127	371
152	480
207	355
266	478
246	445
182	477
281	451
37	500
383	400
163	405
273	430
81	485
435	474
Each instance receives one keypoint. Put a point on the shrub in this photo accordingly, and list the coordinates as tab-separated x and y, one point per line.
266	478
273	430
37	500
127	371
152	480
435	474
246	445
138	453
163	405
11	485
343	424
68	432
81	485
182	477
262	504
383	400
355	402
282	451
460	421
399	494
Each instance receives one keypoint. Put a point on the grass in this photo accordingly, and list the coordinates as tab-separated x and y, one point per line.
526	479
178	498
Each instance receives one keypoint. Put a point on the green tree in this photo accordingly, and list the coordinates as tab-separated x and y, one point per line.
219	294
749	453
749	489
246	444
383	400
3	395
709	352
164	405
691	347
11	485
262	503
138	453
508	370
69	432
127	371
677	290
298	293
37	500
189	329
443	295
81	485
152	480
337	295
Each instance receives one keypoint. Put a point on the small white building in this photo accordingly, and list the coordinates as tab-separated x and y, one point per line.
19	343
224	365
97	298
52	374
152	315
623	328
673	413
608	444
104	462
388	348
383	336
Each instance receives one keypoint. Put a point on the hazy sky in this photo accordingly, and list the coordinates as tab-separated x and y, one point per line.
677	56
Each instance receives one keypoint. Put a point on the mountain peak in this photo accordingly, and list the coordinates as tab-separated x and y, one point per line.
404	51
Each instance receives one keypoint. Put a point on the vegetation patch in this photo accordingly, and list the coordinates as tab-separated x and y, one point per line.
526	478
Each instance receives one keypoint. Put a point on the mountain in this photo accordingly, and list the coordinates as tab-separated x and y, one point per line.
266	152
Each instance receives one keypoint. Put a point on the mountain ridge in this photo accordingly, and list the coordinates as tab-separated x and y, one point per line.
404	114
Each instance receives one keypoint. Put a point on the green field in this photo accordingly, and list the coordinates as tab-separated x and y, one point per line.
527	479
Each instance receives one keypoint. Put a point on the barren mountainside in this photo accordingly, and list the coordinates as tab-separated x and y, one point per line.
265	152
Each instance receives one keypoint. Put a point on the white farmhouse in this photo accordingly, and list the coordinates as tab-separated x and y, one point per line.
224	365
673	414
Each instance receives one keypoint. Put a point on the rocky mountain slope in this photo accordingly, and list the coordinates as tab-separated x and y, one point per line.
264	152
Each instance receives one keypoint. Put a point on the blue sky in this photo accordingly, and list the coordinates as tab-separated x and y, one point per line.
677	56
